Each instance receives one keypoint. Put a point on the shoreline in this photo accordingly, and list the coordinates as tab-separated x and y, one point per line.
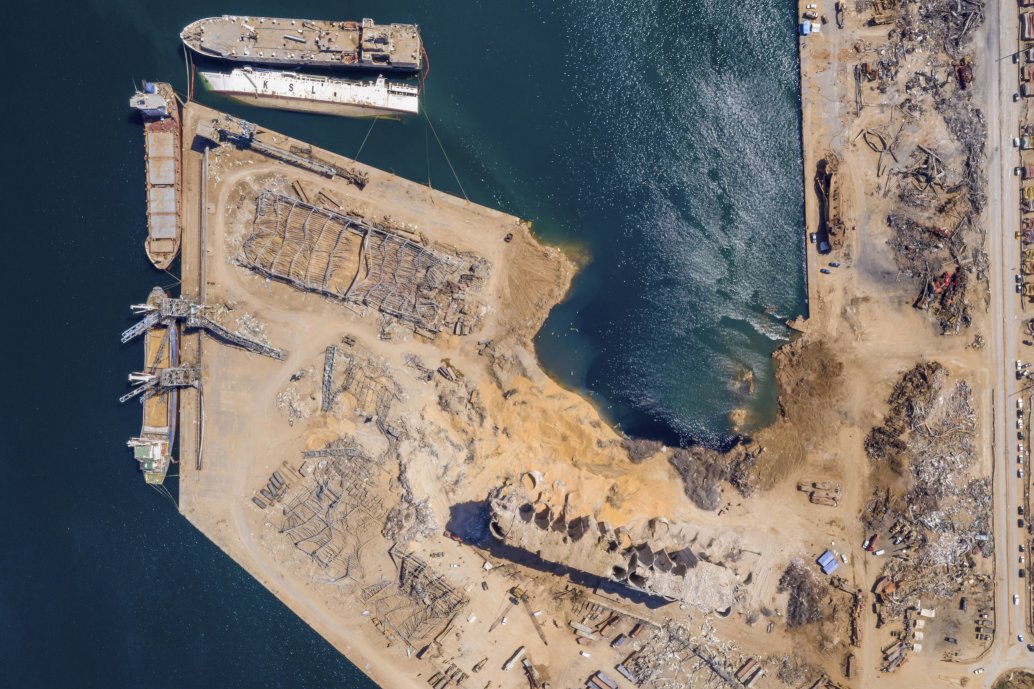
220	519
443	424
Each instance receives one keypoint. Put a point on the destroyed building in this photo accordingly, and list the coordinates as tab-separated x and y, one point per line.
661	567
346	258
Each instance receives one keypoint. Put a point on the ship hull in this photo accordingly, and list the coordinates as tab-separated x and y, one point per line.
153	447
345	67
315	107
163	166
319	95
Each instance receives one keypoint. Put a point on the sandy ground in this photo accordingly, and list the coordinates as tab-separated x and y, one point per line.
501	417
457	451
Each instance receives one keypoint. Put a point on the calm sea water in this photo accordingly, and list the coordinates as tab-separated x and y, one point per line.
660	139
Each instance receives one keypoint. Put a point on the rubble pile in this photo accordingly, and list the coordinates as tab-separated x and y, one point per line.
412	519
794	670
915	390
703	470
926	66
938	518
674	658
640	449
807	594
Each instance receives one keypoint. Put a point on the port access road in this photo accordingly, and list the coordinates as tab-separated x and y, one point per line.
1003	112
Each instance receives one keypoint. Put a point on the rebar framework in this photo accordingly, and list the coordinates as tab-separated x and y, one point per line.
331	517
343	257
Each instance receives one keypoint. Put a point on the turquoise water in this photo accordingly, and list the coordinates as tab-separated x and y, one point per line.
659	139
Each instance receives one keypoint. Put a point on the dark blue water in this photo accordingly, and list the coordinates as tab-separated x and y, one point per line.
660	139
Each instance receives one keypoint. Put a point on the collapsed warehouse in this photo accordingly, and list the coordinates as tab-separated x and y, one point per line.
935	515
659	567
331	511
346	258
931	152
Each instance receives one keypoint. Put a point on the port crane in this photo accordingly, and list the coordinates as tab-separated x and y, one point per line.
194	316
148	383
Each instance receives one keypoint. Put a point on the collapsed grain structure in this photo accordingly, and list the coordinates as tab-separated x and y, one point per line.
332	510
344	257
663	568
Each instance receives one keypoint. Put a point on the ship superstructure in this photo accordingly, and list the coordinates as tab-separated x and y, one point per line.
316	94
307	43
157	105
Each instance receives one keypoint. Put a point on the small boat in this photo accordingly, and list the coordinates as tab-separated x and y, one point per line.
157	105
315	94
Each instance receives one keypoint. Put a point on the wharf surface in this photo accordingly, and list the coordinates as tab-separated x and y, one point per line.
223	446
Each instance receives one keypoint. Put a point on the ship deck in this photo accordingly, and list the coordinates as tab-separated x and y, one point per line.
157	355
162	146
300	41
271	36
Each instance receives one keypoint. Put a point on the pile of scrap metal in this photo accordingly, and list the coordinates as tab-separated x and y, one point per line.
938	528
821	492
928	172
946	295
883	12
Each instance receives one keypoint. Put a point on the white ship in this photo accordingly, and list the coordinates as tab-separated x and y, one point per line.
308	93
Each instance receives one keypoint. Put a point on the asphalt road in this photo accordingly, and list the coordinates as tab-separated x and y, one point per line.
1004	250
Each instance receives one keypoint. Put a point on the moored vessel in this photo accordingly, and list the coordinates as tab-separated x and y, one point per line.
153	447
160	112
307	42
315	94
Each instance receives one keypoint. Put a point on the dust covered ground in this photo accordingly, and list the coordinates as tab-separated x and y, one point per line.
354	478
